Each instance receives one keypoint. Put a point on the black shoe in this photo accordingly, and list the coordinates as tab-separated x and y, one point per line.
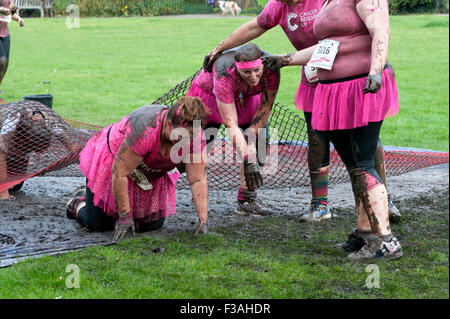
354	242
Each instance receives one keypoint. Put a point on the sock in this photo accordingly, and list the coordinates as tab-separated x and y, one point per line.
240	195
319	185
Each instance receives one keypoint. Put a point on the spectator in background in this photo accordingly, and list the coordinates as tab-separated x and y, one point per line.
7	13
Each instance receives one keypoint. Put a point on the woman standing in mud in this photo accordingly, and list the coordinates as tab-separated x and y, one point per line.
6	9
296	18
239	92
354	95
130	169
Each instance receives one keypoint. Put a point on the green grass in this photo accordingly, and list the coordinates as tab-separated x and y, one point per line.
271	258
108	67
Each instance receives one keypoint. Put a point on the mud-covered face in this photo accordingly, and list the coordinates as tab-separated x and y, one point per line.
251	76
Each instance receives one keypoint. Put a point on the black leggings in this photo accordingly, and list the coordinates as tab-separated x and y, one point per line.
95	219
356	147
4	55
318	149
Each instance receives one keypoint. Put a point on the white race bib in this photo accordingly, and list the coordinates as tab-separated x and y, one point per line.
141	180
324	54
4	18
311	74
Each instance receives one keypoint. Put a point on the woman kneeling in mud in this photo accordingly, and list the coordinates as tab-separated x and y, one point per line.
130	169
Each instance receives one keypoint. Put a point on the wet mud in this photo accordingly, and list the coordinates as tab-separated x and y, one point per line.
36	220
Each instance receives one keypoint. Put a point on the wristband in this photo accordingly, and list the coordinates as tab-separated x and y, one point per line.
123	215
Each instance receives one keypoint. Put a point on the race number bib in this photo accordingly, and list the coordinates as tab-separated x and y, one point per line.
311	74
4	18
324	54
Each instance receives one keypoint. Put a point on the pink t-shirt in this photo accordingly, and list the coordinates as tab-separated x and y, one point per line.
225	88
339	20
296	21
4	31
147	145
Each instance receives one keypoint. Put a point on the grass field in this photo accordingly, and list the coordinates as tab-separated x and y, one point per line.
270	258
108	67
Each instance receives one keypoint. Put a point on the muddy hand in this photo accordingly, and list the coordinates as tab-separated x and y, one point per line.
209	60
373	83
274	62
202	229
122	227
252	175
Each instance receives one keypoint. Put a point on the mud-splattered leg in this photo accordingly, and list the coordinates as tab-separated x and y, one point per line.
380	166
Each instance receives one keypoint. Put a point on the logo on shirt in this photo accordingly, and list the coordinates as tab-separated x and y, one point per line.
294	19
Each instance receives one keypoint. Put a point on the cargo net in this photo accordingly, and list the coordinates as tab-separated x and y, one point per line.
285	164
35	140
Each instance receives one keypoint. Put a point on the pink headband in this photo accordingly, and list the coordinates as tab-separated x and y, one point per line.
249	64
183	123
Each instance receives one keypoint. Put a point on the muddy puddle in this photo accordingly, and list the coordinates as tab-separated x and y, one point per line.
35	222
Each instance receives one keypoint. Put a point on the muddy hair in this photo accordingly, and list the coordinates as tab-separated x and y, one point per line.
250	52
187	110
30	136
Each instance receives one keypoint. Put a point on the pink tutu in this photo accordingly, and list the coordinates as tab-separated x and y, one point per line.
343	105
96	162
304	98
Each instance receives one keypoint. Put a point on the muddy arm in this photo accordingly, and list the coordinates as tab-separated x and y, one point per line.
263	112
276	62
196	175
375	15
246	32
229	118
125	162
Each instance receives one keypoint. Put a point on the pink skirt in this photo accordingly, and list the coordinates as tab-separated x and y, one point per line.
343	105
304	98
146	206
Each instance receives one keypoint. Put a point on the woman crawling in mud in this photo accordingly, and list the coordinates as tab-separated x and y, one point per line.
355	94
28	127
130	169
239	93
